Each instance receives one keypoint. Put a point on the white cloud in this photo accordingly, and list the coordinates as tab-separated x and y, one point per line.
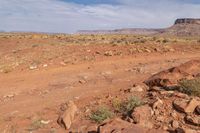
57	16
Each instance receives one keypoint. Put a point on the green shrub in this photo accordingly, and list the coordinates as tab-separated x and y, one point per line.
101	114
132	103
127	106
117	104
190	87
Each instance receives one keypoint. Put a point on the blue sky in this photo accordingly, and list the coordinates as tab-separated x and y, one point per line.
68	16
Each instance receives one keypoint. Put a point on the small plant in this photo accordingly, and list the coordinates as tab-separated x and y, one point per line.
154	38
132	103
190	87
158	41
7	70
117	104
37	124
165	41
101	114
127	106
143	40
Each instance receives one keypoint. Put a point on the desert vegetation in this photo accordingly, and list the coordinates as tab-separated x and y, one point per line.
190	87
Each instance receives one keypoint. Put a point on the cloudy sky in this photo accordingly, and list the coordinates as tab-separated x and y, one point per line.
68	16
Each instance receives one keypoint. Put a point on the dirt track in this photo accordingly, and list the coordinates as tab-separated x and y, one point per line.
37	94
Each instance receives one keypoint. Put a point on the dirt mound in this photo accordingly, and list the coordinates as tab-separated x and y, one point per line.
171	76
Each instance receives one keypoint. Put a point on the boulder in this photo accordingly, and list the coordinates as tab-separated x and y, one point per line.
185	130
136	88
175	124
193	119
109	53
65	120
119	126
158	104
171	76
142	116
186	106
198	109
92	129
33	67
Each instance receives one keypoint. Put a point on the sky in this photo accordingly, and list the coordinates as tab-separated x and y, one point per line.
69	16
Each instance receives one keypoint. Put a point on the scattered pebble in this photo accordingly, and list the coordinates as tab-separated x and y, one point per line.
45	122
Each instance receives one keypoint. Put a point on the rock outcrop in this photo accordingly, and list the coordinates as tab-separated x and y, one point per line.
171	76
187	21
65	120
119	126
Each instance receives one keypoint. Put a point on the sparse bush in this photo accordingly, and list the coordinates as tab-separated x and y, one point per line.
126	107
190	87
165	41
36	124
7	70
154	38
132	103
101	114
119	41
158	41
143	40
117	104
198	41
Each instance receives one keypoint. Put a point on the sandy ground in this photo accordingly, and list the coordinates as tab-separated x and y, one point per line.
29	95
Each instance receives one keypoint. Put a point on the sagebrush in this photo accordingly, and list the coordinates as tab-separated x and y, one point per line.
127	106
190	87
101	114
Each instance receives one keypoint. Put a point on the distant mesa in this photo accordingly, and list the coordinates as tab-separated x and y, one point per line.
184	27
187	21
139	31
181	27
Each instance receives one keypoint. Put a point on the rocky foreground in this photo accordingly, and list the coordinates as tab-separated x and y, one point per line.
171	103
